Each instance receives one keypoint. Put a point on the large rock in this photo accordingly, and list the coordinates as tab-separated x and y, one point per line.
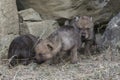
101	10
8	17
9	24
30	15
111	36
44	28
4	44
23	28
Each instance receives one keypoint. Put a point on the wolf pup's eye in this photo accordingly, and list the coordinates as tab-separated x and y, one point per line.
87	28
80	28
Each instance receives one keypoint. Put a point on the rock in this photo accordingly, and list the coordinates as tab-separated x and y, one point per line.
7	40
100	10
111	36
4	44
8	17
23	29
44	28
9	24
30	15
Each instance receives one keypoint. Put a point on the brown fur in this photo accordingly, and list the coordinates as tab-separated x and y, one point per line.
21	49
85	27
64	39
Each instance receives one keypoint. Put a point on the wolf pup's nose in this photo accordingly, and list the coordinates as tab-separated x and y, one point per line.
83	34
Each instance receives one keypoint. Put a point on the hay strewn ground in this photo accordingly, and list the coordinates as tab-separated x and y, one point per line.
86	69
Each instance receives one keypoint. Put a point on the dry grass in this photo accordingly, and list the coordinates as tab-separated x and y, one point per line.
99	67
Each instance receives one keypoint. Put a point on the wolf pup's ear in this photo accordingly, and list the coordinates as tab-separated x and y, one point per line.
91	19
77	18
67	23
49	47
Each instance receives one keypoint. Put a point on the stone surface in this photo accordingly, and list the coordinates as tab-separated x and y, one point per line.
4	44
8	17
9	24
44	28
30	15
100	10
111	36
23	29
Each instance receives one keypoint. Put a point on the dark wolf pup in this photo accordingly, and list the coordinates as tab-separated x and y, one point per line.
21	49
62	40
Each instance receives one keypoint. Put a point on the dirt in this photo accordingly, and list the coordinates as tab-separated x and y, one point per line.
86	69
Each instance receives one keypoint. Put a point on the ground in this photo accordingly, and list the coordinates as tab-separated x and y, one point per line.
85	69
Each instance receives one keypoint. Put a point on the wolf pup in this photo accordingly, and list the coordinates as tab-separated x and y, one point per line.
64	39
21	49
85	27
